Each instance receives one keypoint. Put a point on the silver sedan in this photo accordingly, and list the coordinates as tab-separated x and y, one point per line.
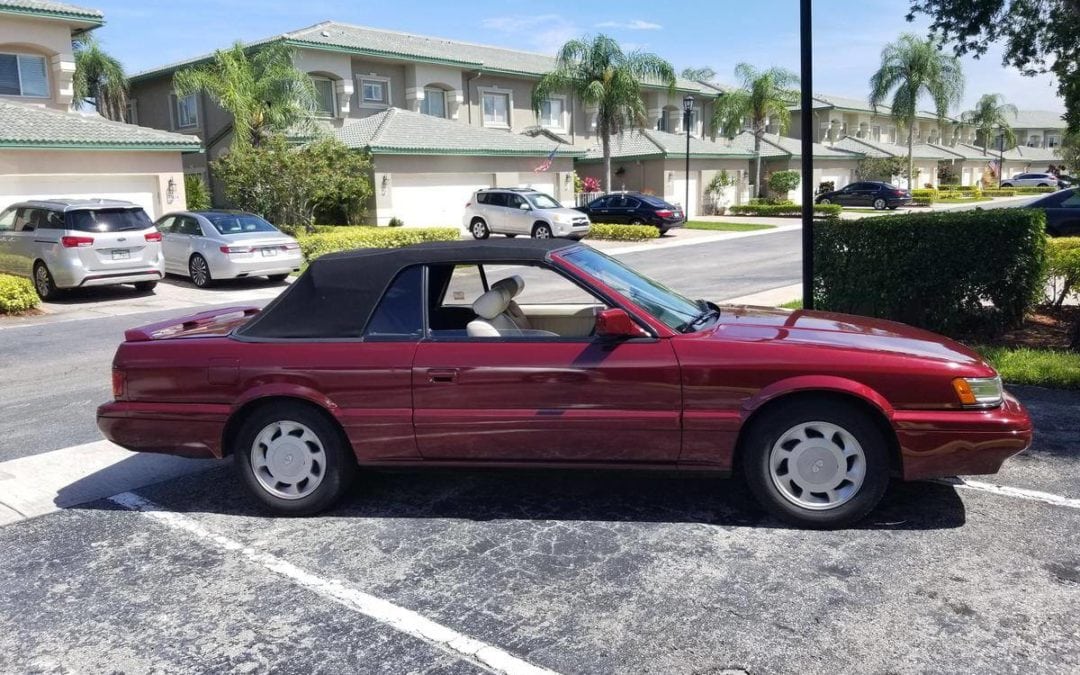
211	245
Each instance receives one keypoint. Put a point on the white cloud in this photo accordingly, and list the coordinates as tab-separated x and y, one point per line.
544	32
518	24
636	24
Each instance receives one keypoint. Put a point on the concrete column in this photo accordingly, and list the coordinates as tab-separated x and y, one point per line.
63	70
343	89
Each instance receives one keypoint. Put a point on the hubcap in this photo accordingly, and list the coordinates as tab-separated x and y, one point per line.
817	465
543	233
880	204
288	460
41	278
199	272
478	230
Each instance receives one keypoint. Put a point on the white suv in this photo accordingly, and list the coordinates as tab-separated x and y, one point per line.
1031	180
514	211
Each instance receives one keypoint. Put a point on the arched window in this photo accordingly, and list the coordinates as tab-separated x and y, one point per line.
434	102
325	96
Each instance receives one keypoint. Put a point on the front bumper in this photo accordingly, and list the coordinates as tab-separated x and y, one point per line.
937	443
184	429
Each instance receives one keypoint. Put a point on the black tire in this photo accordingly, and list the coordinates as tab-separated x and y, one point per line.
145	286
199	272
880	204
1006	185
542	231
636	221
339	471
1044	184
510	236
277	278
824	200
892	208
44	283
766	430
479	229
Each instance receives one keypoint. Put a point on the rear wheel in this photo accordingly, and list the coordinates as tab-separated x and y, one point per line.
880	204
145	286
277	278
1044	184
479	229
1006	185
44	283
293	459
816	464
199	271
636	221
541	231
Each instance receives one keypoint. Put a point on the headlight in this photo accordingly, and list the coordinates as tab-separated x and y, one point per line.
563	219
978	392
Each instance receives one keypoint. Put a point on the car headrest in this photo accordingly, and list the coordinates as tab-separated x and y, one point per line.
493	303
515	284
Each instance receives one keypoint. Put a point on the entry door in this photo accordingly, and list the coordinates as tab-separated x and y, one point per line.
555	401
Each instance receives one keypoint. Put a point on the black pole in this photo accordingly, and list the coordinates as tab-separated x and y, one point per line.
686	206
806	47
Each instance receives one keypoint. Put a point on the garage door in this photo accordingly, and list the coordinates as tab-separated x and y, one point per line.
542	182
679	194
434	199
138	189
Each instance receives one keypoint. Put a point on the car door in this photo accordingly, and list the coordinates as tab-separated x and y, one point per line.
1063	219
23	248
847	195
599	211
7	240
166	226
496	212
519	218
618	210
533	398
179	243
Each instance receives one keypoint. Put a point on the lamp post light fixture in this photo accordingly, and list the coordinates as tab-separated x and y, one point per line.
688	110
1001	153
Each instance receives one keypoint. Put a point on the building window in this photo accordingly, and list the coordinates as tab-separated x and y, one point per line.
434	103
1051	141
496	109
186	111
325	97
551	113
131	112
23	75
374	92
661	122
875	132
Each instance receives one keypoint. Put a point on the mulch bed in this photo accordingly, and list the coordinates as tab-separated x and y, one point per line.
1047	328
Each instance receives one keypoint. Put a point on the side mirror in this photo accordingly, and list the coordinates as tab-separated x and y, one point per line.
616	324
524	206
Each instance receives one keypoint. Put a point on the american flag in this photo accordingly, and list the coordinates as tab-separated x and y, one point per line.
546	164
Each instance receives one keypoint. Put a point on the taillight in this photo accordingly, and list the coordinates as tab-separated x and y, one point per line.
153	236
119	384
468	204
76	242
664	213
237	249
291	247
898	193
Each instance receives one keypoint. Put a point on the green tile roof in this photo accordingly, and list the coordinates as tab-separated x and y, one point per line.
376	42
27	126
47	8
877	149
649	143
403	132
793	147
823	101
1037	119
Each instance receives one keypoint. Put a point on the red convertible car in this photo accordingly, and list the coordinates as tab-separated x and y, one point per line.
549	353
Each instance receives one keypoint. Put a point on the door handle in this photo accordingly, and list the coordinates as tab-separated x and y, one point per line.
442	375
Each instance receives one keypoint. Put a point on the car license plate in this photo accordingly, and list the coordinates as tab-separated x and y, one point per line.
269	252
120	254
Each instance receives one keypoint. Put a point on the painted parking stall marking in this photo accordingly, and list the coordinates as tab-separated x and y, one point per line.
1020	493
403	620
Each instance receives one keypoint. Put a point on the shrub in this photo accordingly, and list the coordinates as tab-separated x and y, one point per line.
590	184
396	222
925	196
994	192
346	238
783	182
610	232
784	210
826	186
958	273
198	195
1063	266
16	294
880	168
1032	189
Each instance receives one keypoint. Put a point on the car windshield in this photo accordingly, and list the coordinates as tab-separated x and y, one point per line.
107	220
542	201
238	223
672	309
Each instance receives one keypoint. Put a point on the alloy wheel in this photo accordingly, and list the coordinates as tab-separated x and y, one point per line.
288	459
200	271
42	282
817	465
479	230
879	204
542	232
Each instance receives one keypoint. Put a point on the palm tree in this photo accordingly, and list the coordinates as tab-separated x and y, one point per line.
991	112
910	68
99	79
763	95
262	90
597	71
703	74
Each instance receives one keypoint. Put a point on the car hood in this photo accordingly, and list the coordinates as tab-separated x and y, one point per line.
573	213
839	331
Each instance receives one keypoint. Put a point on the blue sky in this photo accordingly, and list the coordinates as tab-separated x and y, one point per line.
848	35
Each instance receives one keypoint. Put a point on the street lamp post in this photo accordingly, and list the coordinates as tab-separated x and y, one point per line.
1001	154
806	108
688	109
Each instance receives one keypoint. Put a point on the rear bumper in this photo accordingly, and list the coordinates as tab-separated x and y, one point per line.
120	278
186	429
256	266
936	443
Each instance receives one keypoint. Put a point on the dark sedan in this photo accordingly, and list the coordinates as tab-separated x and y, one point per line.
1062	212
634	209
879	195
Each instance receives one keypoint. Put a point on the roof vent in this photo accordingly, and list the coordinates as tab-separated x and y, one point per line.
325	33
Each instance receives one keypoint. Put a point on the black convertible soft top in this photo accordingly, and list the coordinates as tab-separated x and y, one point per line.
336	295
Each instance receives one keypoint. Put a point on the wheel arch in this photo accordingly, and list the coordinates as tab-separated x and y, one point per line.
834	389
249	404
538	223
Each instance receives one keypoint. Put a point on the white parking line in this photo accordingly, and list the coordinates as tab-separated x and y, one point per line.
400	619
1020	493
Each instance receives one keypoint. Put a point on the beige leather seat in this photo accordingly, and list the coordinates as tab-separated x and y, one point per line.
515	284
494	316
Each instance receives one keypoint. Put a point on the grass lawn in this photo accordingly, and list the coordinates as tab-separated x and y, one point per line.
725	227
964	200
792	304
1041	367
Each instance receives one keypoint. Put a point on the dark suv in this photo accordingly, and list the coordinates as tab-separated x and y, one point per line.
634	208
867	193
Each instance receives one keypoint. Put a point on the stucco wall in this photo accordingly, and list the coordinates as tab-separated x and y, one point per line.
51	39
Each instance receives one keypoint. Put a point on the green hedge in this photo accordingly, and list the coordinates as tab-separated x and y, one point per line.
958	273
1031	189
16	294
783	210
1063	264
611	232
334	239
994	192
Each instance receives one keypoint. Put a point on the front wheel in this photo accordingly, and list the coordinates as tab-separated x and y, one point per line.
824	200
1006	185
816	464
879	204
479	229
278	278
541	231
293	459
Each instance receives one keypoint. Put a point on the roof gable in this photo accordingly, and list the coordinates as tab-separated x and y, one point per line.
48	9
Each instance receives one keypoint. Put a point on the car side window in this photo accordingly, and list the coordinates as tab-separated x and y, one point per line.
599	203
496	199
7	220
464	287
51	220
400	314
632	203
29	219
1072	202
165	225
514	201
188	226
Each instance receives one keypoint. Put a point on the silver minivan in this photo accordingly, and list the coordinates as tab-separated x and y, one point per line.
77	243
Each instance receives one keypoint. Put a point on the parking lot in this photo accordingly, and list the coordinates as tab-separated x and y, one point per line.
516	571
